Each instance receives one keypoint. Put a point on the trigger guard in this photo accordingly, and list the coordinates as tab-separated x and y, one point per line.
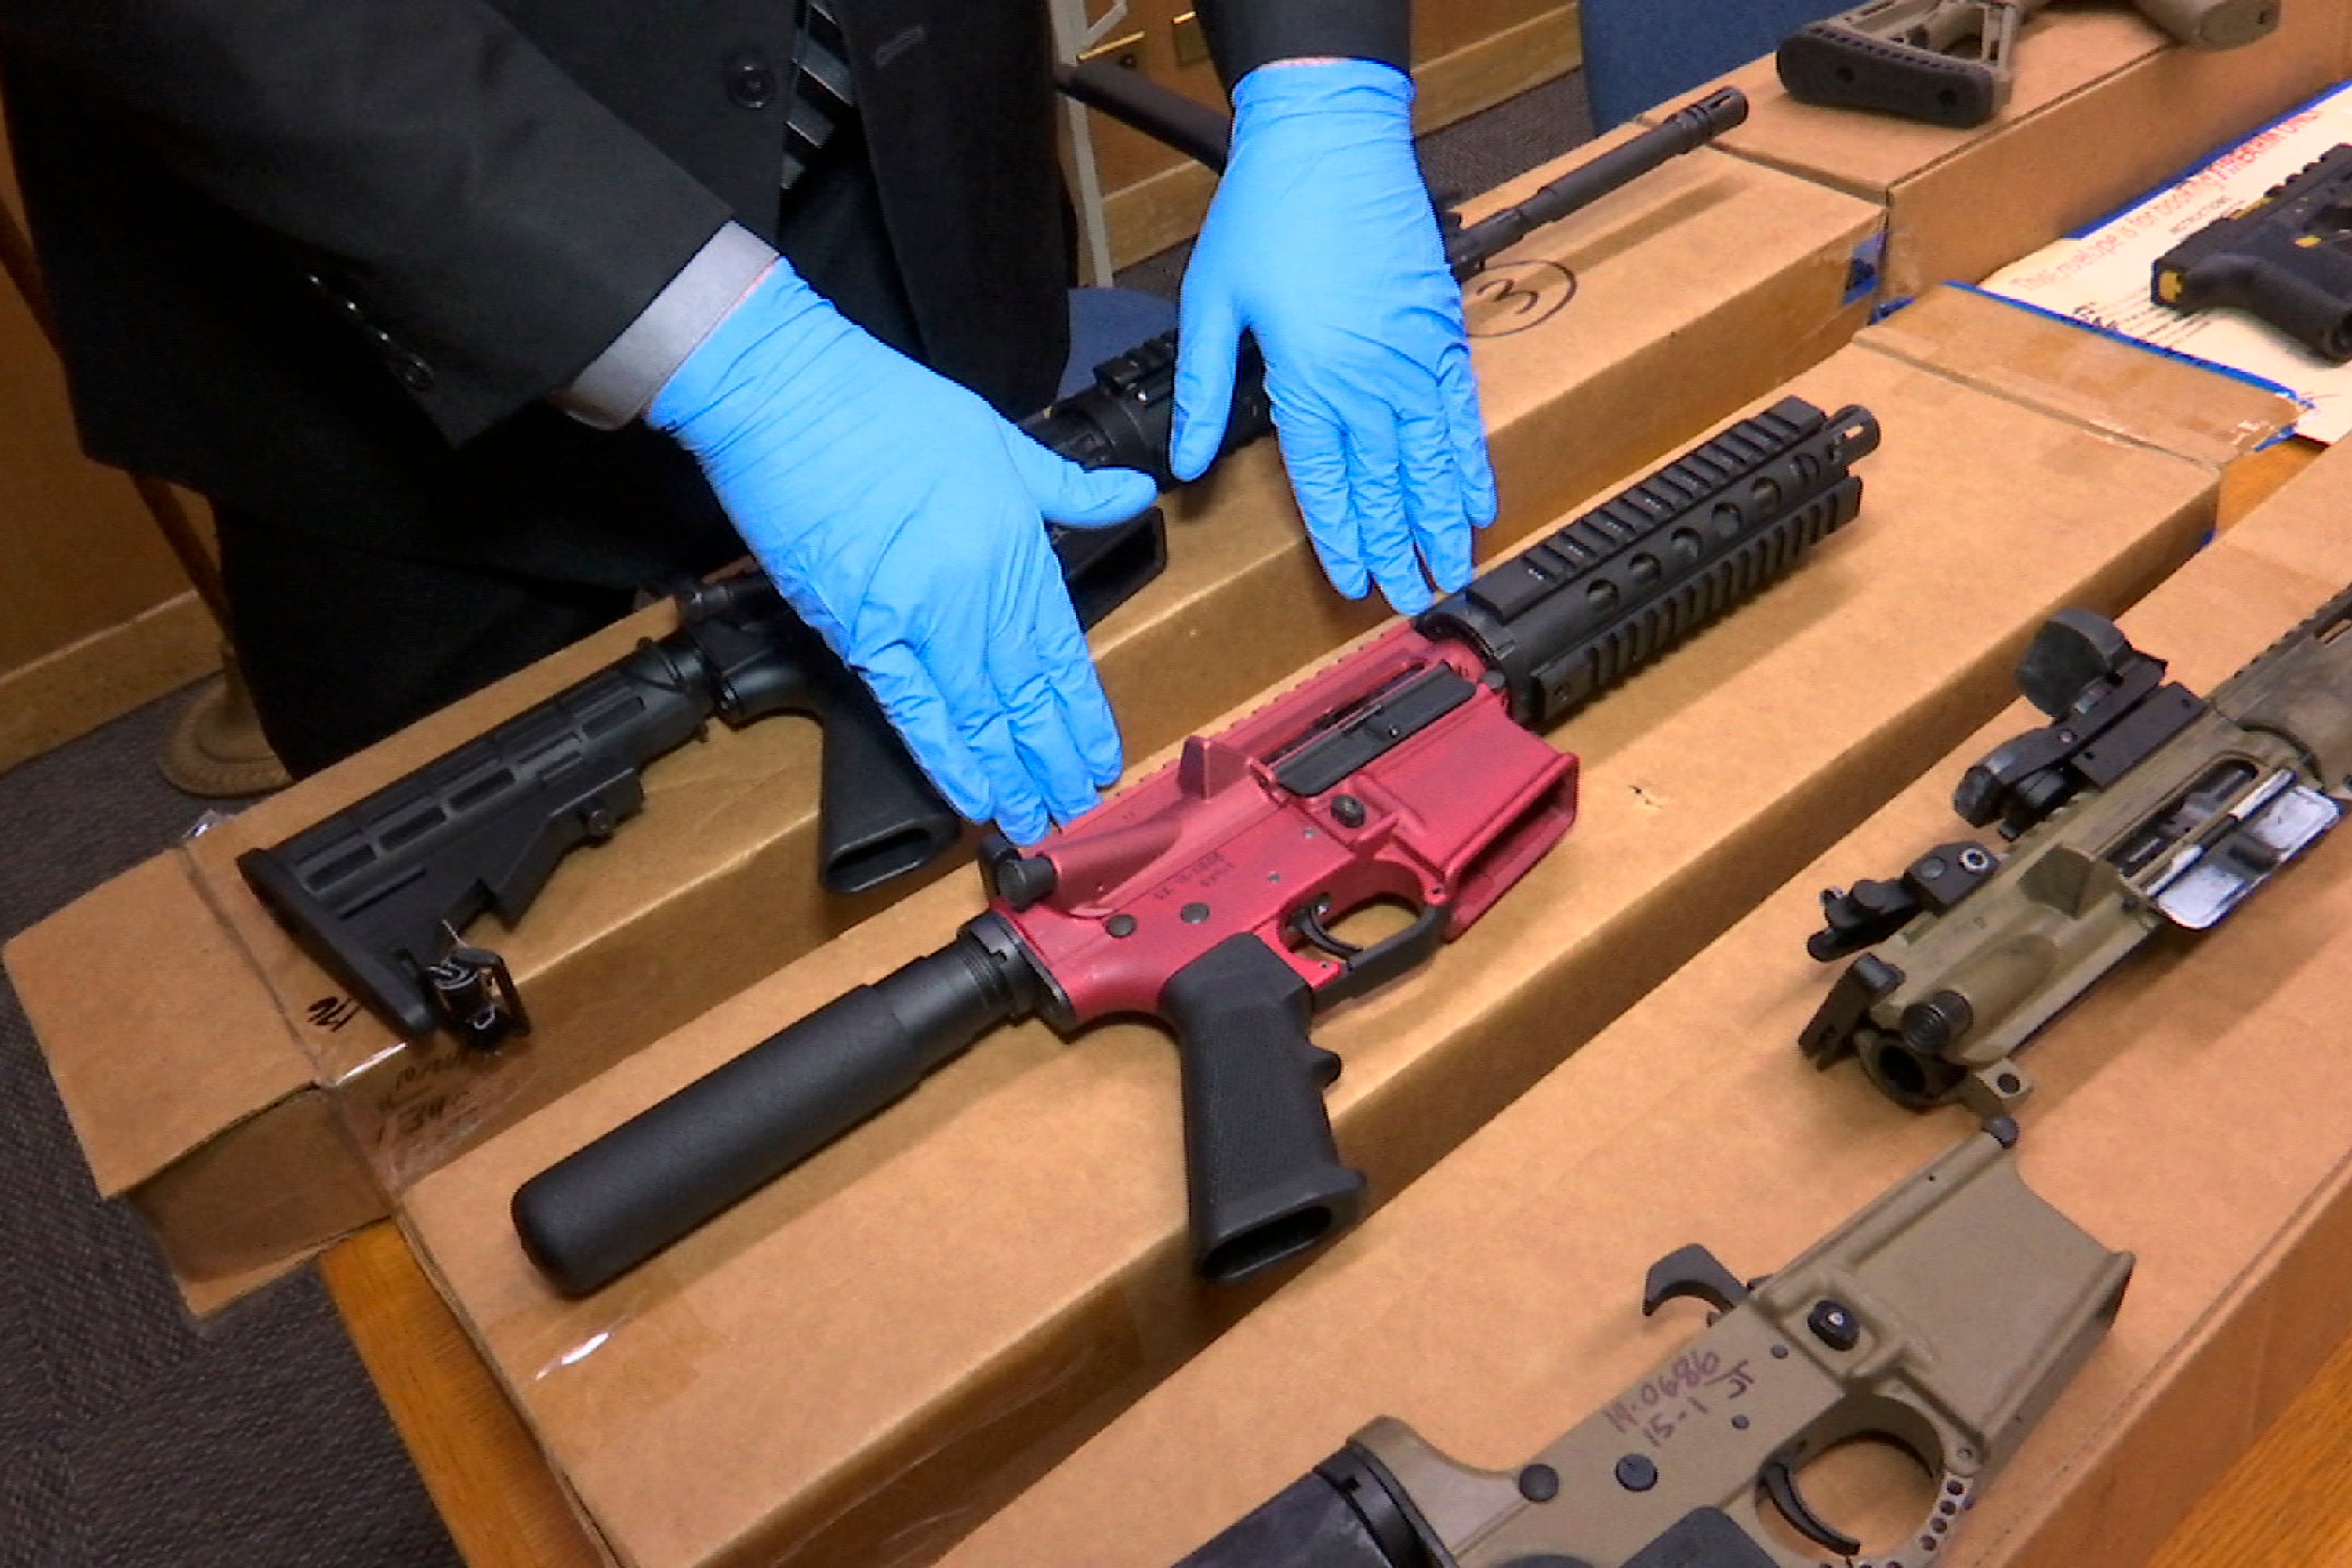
1781	1486
1955	1496
1372	967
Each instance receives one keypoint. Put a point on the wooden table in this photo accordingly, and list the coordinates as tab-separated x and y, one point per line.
2287	1501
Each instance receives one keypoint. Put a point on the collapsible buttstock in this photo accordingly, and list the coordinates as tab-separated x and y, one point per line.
1833	64
373	892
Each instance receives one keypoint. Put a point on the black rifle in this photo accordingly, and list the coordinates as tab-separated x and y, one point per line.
378	893
1414	757
2287	260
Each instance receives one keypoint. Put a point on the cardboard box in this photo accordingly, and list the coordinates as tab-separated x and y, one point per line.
1693	291
854	1365
2195	1107
2106	107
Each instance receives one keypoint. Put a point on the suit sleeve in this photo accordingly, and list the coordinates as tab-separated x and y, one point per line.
1246	34
466	203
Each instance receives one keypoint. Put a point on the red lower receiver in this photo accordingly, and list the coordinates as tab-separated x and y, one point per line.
1267	831
1212	895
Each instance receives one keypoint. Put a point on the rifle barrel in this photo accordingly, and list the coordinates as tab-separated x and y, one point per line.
1685	130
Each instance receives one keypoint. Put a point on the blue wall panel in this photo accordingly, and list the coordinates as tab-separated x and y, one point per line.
1639	53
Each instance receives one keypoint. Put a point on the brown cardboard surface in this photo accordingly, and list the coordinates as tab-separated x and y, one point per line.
2196	1108
2067	369
859	1361
1696	289
2104	108
130	1126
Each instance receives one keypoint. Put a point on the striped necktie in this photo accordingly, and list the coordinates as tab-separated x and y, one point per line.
822	94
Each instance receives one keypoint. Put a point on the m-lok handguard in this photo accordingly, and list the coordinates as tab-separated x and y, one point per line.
1214	894
2287	260
1947	1316
2139	807
1952	62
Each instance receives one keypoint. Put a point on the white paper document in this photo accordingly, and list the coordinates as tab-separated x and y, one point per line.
2102	277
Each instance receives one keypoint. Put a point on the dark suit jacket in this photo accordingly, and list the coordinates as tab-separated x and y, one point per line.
322	259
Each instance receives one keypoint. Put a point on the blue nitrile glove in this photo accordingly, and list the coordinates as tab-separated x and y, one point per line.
1321	242
902	517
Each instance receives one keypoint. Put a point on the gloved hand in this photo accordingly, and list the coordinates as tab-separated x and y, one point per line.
901	517
1321	242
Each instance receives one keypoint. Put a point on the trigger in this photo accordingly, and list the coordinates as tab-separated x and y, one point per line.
1309	923
1692	1270
1781	1488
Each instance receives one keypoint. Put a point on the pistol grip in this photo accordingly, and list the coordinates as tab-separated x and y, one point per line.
877	814
2271	292
1265	1175
1105	567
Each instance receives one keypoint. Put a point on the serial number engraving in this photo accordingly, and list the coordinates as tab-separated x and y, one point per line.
1664	1404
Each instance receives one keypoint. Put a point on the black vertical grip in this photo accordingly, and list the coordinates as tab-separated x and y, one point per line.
593	1217
1265	1176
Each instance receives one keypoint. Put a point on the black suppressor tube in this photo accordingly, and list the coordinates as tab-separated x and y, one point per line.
593	1216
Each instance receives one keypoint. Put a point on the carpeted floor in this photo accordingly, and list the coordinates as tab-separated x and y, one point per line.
131	1434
